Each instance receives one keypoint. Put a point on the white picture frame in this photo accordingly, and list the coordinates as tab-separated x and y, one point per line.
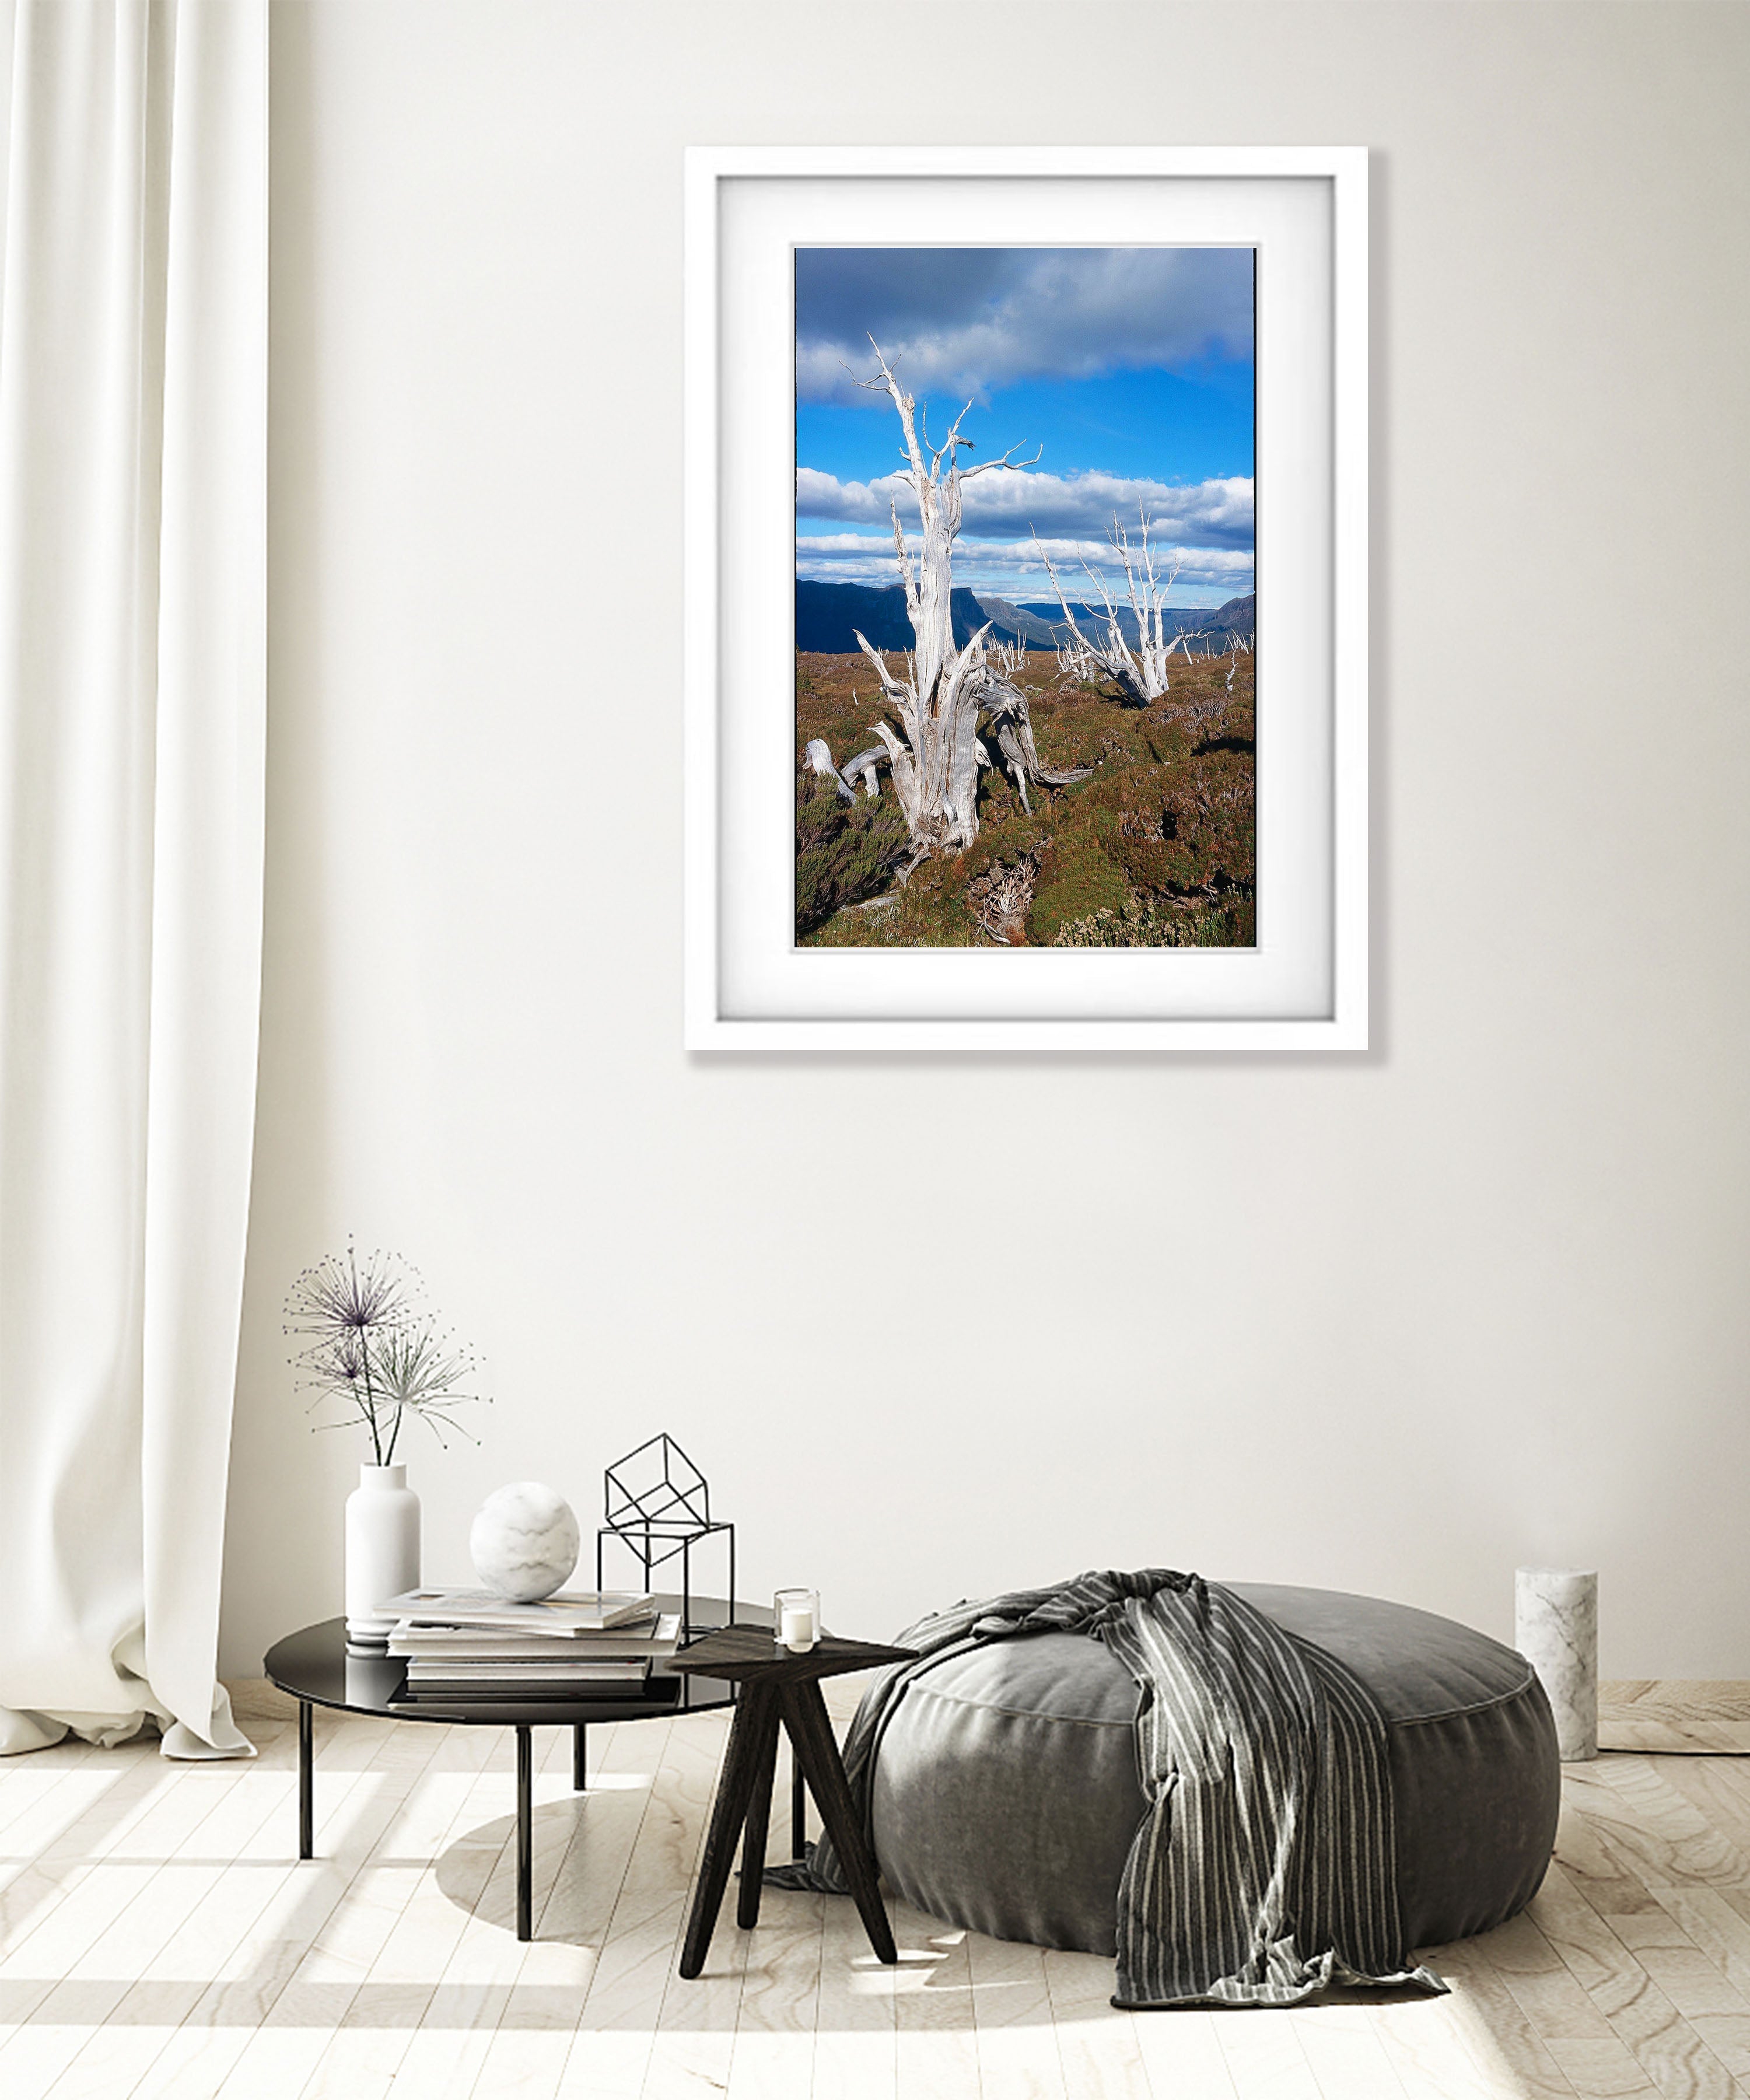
748	987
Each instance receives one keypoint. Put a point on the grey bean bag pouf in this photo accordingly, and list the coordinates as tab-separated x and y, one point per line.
1006	1794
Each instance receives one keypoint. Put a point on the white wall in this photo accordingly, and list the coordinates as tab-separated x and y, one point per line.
1393	1323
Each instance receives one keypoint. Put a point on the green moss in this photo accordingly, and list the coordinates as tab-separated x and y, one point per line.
1078	878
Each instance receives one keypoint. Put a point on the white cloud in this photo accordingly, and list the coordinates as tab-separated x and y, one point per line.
965	320
1012	568
1015	504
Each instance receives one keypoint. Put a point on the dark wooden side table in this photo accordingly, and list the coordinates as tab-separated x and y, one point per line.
775	1685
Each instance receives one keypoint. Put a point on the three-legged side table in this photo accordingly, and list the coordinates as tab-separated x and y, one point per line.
775	1687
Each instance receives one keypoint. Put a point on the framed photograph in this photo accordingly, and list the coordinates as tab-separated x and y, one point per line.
1026	599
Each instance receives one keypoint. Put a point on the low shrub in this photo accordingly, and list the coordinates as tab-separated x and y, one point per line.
1163	923
845	851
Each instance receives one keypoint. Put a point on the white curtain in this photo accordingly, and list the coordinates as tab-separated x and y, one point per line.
133	453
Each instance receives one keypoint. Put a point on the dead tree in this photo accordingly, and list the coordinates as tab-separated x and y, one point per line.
1013	730
816	757
1009	658
1139	676
862	767
934	755
1075	661
1004	708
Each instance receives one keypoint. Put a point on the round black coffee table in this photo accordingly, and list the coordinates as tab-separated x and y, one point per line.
314	1667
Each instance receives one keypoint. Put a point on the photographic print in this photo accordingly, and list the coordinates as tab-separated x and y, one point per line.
1025	614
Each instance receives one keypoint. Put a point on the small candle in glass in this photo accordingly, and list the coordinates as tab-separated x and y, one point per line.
796	1619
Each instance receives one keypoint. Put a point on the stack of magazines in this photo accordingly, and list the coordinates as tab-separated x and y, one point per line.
468	1646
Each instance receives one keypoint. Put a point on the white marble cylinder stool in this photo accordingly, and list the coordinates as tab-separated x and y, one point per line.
1556	1630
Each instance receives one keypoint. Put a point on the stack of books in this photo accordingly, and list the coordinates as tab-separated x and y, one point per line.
470	1646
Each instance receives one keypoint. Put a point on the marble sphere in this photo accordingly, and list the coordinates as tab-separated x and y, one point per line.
524	1542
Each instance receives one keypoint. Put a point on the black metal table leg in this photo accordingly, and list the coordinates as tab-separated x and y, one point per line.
798	1808
306	1782
579	1756
525	1834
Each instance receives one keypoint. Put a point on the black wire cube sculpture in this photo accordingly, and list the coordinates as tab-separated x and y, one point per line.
657	1504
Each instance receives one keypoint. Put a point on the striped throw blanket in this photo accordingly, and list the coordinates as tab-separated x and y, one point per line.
1265	1867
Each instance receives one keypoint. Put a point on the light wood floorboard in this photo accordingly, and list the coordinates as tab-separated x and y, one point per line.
159	1940
1674	1714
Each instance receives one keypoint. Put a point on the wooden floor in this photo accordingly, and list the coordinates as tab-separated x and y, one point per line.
159	1937
1674	1714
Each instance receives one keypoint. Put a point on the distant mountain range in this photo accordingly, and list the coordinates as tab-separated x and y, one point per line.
828	613
1238	616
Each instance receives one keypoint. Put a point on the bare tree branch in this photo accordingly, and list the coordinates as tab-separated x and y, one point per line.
1141	676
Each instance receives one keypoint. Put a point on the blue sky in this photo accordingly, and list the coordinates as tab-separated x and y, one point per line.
1130	367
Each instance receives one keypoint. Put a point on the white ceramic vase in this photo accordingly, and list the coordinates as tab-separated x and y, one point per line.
382	1550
